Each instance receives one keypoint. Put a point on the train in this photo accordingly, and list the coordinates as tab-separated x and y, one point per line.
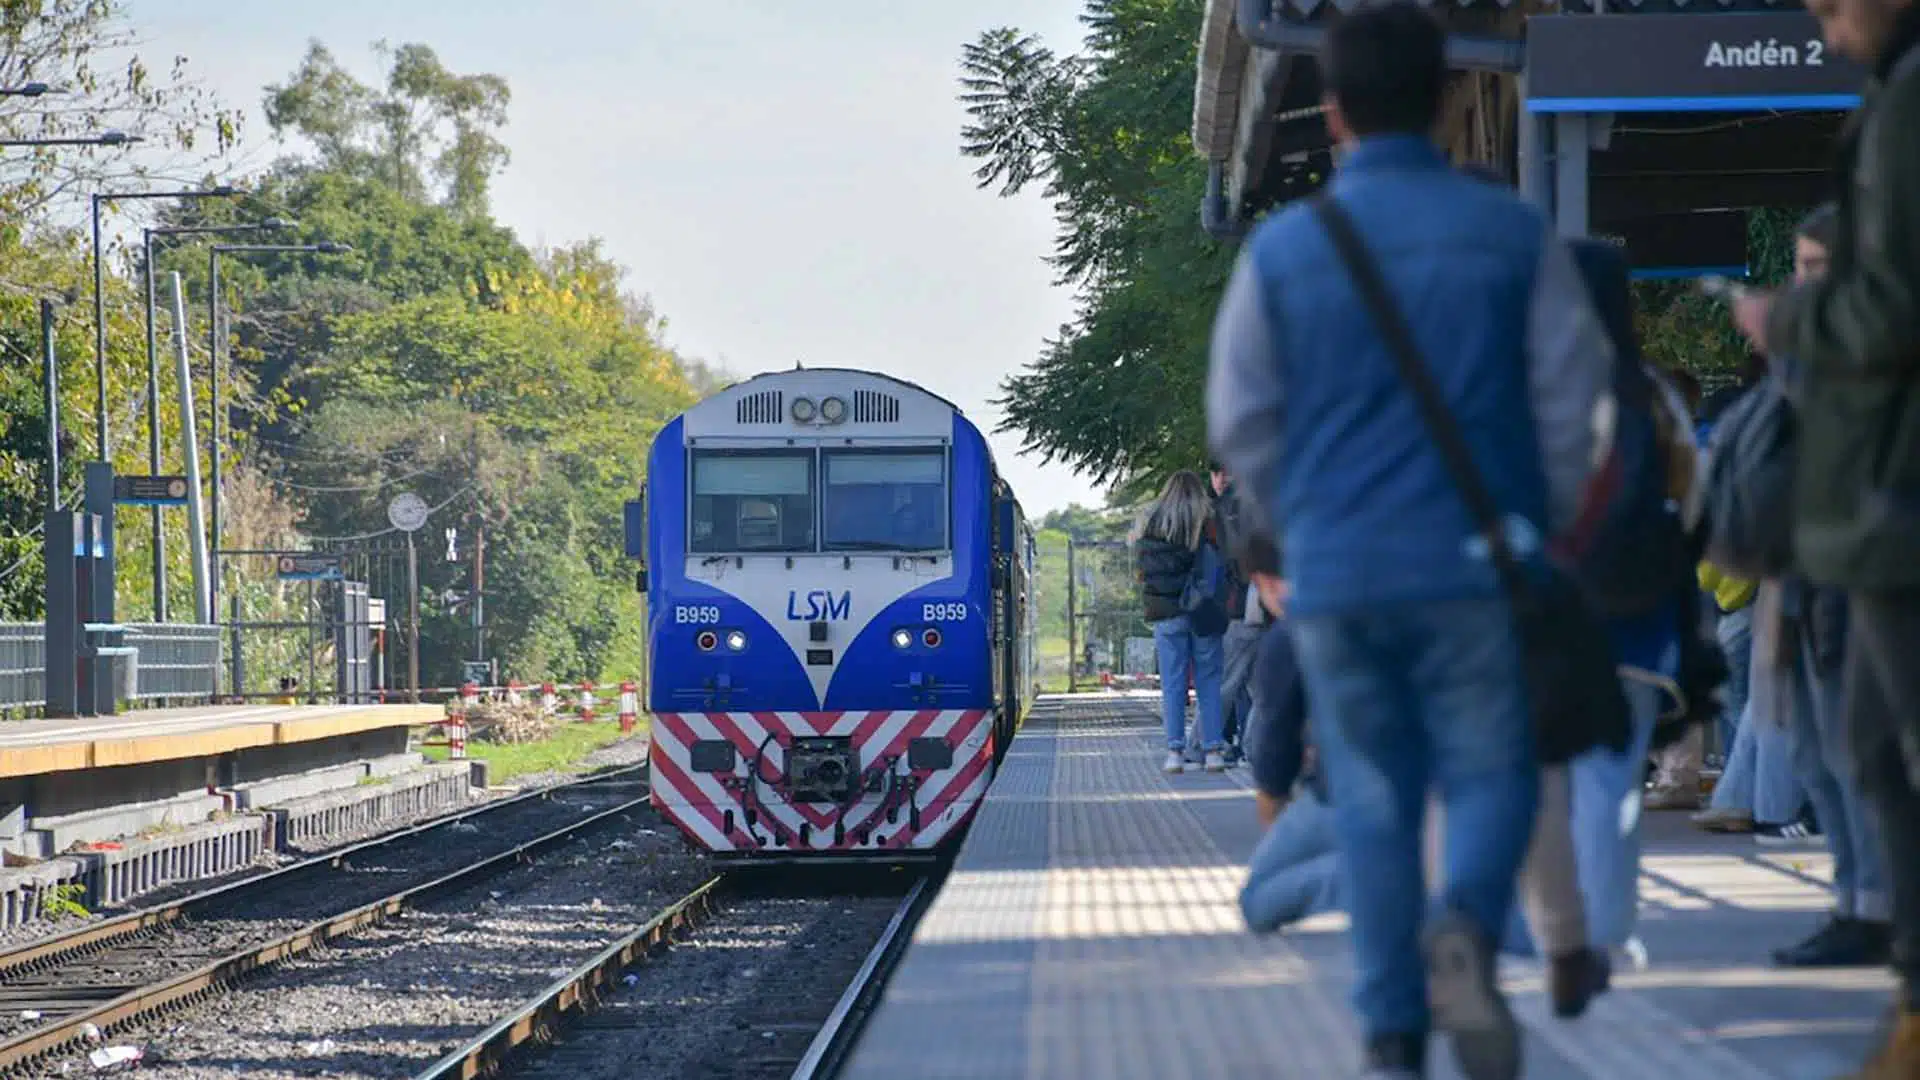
840	618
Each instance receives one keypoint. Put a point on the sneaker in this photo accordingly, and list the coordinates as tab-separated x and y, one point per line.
1842	942
1463	992
1216	761
1791	834
1176	762
1575	979
1724	819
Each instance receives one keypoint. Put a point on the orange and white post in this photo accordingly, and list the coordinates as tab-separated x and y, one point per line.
457	722
586	701
549	700
629	706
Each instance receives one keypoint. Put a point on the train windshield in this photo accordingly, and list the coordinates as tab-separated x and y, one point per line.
752	501
885	500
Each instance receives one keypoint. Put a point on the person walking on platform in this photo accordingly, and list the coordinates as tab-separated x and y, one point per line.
1242	639
1854	335
1182	574
1408	643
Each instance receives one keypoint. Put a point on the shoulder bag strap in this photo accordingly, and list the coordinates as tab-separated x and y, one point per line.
1440	421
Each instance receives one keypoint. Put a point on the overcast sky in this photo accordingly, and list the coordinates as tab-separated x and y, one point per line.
781	178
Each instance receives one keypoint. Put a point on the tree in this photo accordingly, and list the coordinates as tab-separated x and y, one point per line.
86	51
1117	392
425	122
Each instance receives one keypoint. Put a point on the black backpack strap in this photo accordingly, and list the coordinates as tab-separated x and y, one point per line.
1441	424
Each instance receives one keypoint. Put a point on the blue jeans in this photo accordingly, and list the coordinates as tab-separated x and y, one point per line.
1735	632
1295	869
1606	794
1759	776
1242	644
1823	761
1404	698
1179	648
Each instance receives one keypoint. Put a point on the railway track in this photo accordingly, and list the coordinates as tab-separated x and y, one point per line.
506	1047
65	990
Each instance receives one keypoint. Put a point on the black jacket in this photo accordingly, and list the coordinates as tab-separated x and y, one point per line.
1279	736
1855	335
1227	513
1161	569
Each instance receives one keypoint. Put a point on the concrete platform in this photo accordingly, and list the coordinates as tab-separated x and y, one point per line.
1090	929
36	747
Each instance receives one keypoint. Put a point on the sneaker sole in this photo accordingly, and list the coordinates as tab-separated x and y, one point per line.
1467	1005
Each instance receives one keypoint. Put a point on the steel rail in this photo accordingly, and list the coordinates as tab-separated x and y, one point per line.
828	1051
540	1015
75	943
39	1042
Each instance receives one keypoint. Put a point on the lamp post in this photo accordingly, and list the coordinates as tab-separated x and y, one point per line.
105	138
153	382
323	247
99	288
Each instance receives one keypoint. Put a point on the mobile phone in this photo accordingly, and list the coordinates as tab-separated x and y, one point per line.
1722	288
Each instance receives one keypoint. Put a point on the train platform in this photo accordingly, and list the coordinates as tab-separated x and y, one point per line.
1090	929
37	747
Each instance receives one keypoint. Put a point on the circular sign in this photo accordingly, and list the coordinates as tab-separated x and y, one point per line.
286	564
407	511
177	488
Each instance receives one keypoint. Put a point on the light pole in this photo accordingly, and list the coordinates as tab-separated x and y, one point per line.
99	289
105	138
153	383
323	247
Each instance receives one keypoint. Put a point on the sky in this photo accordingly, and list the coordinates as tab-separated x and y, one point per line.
782	179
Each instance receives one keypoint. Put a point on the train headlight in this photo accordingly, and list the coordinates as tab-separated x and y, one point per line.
706	639
803	409
736	640
833	410
902	639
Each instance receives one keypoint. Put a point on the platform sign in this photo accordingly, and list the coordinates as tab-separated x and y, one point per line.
150	490
1708	62
1671	246
312	566
477	672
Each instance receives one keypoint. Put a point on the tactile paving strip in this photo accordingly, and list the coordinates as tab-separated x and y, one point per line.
1091	929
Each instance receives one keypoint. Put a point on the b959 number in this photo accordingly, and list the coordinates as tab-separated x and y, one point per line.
696	614
954	612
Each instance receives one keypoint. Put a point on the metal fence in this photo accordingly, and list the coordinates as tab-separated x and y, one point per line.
175	660
23	664
172	661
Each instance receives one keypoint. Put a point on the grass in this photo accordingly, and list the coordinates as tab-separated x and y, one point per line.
564	751
64	900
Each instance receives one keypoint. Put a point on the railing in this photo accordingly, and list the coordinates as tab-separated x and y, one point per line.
23	664
175	660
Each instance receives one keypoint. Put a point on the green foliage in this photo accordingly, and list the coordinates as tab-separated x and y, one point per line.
515	391
63	901
1117	392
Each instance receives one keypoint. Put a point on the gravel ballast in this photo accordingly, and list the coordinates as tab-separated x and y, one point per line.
741	998
391	999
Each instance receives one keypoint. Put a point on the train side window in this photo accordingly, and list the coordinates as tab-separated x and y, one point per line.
751	501
885	500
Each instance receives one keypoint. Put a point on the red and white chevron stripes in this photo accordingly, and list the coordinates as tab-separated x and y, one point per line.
712	808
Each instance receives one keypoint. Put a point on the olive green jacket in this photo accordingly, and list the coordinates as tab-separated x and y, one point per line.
1856	336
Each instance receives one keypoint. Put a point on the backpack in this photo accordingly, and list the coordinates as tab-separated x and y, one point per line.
1629	551
1749	485
1204	599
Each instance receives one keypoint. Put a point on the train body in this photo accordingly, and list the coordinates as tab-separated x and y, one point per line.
840	638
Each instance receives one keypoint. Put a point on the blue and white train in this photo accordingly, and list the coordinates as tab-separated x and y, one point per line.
840	627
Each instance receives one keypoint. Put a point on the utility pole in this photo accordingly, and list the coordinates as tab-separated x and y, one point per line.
479	592
1073	624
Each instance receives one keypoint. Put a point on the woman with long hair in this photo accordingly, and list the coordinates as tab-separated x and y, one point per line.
1174	544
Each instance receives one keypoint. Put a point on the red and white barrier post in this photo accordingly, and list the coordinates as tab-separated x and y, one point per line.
549	701
513	691
457	722
629	706
586	701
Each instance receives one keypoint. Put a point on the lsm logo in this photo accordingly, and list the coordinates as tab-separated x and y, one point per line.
818	605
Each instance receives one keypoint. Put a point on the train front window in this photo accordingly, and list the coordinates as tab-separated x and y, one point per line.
751	501
892	500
